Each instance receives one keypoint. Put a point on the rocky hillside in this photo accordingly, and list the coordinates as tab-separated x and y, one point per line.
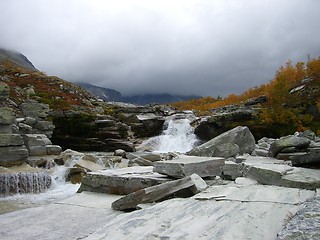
81	121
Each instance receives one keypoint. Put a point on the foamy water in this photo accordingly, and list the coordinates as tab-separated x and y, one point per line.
177	137
59	190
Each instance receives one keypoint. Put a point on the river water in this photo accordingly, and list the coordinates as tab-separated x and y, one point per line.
178	136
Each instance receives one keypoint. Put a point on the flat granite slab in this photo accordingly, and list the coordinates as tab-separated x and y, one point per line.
188	165
271	171
121	181
220	213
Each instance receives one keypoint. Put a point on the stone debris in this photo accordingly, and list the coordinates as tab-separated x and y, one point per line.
152	194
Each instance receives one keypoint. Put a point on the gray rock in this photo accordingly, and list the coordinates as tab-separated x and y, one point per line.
288	141
261	152
29	121
6	129
37	150
4	91
226	150
153	157
121	181
88	165
308	134
188	165
7	116
25	128
35	110
12	156
120	152
53	149
44	126
11	140
152	194
305	224
240	136
230	171
271	171
33	140
140	162
309	158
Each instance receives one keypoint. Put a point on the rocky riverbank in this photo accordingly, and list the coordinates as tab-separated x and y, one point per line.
229	187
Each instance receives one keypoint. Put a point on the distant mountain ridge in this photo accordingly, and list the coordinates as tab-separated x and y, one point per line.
163	98
17	58
108	94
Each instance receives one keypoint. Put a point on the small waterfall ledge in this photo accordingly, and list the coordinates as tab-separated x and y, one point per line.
23	179
178	136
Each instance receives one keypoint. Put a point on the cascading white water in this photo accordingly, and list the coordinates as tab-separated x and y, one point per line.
177	137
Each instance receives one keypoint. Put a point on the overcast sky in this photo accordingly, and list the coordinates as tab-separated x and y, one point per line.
203	47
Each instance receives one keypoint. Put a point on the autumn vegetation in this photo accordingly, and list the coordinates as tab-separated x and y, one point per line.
287	109
58	93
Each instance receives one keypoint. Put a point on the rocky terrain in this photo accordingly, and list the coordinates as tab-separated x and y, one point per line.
229	185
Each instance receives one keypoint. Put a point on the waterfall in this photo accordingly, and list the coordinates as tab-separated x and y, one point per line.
24	182
177	137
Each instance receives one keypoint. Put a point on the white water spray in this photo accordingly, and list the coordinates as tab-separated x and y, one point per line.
177	137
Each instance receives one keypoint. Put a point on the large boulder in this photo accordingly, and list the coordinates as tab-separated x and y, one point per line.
240	136
7	116
287	142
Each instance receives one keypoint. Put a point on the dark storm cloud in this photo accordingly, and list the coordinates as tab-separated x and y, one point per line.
203	47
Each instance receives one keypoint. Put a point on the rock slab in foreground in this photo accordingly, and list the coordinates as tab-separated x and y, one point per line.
121	181
219	212
152	194
240	136
188	165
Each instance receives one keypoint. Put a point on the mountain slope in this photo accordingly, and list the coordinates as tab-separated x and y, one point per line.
106	94
164	98
16	58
